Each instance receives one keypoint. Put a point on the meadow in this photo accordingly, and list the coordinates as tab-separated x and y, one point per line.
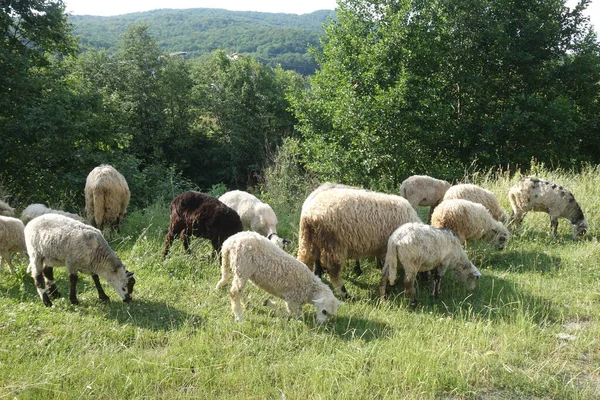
531	329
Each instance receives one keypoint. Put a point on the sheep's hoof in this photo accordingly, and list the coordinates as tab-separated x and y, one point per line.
104	299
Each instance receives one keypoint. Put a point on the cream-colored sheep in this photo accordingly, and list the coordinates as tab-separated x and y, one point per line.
35	210
423	190
106	196
250	256
12	239
533	194
421	248
6	210
477	194
342	223
469	221
255	215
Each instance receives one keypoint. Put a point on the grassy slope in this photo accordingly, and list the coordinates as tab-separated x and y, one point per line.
530	330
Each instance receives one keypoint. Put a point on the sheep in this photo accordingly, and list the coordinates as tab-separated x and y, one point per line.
255	215
420	248
35	210
54	239
6	210
12	239
477	194
468	221
250	256
341	223
106	197
198	214
423	190
533	194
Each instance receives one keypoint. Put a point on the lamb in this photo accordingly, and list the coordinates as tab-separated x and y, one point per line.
341	223
35	210
106	197
477	194
256	215
468	221
533	194
53	240
198	214
6	210
420	248
250	256
423	190
12	239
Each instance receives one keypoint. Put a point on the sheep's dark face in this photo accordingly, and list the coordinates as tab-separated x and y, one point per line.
580	229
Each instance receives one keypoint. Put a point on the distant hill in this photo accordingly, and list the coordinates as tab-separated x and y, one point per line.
272	38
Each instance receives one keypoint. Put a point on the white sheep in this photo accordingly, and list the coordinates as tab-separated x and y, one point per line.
256	215
250	256
533	194
423	190
6	210
106	196
53	240
477	194
12	239
342	223
469	221
35	210
420	248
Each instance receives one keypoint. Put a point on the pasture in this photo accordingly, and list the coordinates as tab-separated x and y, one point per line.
531	329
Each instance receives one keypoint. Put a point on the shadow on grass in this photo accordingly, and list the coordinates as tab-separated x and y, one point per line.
519	261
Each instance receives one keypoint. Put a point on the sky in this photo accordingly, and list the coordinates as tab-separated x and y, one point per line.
117	7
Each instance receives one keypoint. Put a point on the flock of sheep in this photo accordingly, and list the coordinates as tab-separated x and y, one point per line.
337	223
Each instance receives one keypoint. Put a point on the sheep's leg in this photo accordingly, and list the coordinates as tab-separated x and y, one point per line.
5	256
319	270
50	284
554	225
294	309
437	282
38	280
384	282
336	278
237	288
73	289
101	294
409	286
185	239
168	241
357	269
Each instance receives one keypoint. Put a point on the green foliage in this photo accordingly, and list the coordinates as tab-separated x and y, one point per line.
272	39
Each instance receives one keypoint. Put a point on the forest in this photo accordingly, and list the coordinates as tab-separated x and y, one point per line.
402	88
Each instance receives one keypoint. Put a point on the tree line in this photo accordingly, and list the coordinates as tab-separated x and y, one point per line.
403	87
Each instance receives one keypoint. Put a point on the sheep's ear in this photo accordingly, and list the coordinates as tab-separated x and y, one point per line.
286	242
319	301
476	273
128	274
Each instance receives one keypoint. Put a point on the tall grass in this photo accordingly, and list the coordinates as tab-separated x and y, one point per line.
530	330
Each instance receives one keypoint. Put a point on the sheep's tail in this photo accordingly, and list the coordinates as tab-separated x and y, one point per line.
225	267
307	251
391	263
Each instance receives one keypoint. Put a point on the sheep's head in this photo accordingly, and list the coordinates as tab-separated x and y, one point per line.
468	274
280	242
500	235
326	306
122	281
580	229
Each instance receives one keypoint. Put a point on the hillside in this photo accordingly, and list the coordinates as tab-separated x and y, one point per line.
273	38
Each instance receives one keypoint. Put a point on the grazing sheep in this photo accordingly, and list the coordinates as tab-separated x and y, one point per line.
198	214
250	256
35	210
12	239
6	210
532	194
106	197
341	223
468	221
420	248
423	190
255	215
477	194
53	240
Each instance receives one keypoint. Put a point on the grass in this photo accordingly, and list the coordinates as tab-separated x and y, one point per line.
529	331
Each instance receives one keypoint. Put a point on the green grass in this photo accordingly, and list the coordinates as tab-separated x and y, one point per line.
529	331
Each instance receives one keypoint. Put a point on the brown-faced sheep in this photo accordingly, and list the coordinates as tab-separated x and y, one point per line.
423	190
35	210
477	194
420	248
532	194
12	239
106	197
250	256
198	214
256	215
6	210
53	240
469	221
342	223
